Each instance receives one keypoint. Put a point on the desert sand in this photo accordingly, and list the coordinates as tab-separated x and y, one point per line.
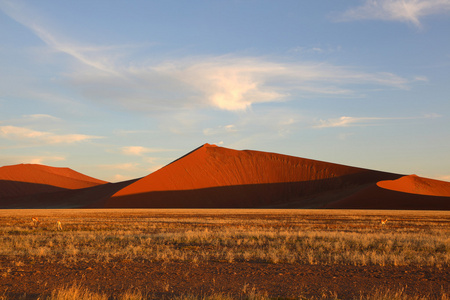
28	179
212	176
218	177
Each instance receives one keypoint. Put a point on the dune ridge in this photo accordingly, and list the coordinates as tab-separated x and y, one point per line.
246	178
414	184
41	174
28	179
217	177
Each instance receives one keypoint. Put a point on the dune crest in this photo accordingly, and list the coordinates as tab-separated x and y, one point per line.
216	176
414	184
27	179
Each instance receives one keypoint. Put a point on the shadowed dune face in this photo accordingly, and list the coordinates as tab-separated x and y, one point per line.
216	177
213	176
32	179
91	197
407	192
10	188
375	197
40	174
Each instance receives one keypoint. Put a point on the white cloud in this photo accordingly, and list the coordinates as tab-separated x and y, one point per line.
139	150
345	122
119	177
154	168
35	159
443	177
231	83
39	117
364	121
135	150
121	166
409	11
220	130
26	134
44	159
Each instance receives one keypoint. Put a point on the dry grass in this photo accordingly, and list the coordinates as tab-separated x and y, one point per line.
274	236
78	292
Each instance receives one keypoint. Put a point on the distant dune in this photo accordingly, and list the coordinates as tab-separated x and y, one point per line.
28	179
414	184
217	177
407	192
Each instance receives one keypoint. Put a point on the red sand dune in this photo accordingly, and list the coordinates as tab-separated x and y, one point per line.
217	177
407	192
27	179
414	184
212	176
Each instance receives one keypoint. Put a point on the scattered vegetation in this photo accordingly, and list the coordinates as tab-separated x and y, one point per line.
292	236
78	292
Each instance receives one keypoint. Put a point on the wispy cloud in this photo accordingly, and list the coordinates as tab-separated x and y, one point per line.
39	117
139	150
44	159
101	58
409	11
26	134
34	159
363	121
345	122
443	177
231	128
229	82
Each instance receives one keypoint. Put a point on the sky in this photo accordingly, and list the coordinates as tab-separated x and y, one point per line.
118	89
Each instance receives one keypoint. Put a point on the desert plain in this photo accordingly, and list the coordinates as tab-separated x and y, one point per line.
219	223
224	254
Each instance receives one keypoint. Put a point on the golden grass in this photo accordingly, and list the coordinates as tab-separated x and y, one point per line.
273	236
78	292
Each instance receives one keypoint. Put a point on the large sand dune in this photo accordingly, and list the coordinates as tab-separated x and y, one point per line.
217	177
212	176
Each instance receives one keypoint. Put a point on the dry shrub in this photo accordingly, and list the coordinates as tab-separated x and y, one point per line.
401	294
76	292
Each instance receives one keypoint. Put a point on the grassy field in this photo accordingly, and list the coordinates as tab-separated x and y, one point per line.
312	237
292	236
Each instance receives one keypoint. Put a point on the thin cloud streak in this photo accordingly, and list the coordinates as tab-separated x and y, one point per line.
89	56
139	150
35	159
26	134
409	11
345	121
230	83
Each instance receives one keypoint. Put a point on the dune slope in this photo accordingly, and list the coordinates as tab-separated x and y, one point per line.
414	184
29	179
212	176
407	192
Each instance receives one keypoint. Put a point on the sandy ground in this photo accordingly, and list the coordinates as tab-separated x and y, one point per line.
173	278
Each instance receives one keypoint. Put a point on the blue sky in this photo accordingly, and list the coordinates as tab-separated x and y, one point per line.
118	89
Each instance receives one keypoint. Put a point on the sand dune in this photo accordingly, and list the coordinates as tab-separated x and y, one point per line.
28	179
217	177
407	192
212	176
414	184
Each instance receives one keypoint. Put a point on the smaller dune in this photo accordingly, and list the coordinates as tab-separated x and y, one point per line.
40	174
414	184
27	179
